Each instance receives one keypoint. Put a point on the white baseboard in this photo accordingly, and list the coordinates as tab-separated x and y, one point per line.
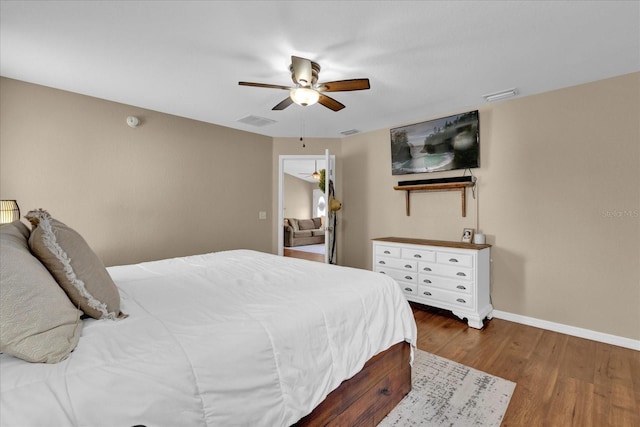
569	330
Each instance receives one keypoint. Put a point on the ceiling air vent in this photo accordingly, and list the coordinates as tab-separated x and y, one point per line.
349	132
256	121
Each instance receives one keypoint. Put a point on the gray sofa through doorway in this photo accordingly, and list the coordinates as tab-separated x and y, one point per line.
299	232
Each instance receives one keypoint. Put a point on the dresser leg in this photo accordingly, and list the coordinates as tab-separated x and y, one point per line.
475	323
472	321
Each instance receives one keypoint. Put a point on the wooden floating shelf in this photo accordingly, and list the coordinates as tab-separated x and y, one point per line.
448	186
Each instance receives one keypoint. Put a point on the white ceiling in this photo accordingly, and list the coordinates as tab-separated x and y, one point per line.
424	58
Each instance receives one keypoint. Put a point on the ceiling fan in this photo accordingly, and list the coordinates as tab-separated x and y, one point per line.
315	175
307	90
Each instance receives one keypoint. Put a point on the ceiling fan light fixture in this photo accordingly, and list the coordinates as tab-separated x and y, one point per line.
304	96
315	175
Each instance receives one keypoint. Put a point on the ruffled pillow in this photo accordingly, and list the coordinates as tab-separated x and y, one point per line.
73	264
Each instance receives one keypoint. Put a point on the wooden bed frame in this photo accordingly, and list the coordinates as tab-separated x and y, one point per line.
367	397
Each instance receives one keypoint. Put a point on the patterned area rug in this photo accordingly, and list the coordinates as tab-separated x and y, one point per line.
446	393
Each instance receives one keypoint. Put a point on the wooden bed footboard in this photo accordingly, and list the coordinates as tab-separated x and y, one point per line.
367	397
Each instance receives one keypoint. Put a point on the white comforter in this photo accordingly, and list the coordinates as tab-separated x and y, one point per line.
236	338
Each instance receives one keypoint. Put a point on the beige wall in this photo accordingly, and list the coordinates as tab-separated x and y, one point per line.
298	197
171	187
558	196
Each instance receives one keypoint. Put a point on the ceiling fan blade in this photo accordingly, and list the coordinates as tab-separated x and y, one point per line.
269	86
301	69
344	85
283	104
330	103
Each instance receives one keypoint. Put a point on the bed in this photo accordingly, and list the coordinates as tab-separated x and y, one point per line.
231	338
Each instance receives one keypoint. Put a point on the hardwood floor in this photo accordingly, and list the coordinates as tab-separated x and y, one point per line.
303	255
561	380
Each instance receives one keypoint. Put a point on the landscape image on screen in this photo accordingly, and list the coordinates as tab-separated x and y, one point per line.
436	145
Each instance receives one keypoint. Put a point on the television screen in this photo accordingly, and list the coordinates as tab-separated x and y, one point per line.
437	145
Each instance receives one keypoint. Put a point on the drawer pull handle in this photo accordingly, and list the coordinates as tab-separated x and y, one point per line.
387	252
382	272
461	300
381	262
460	273
427	293
417	256
408	266
427	281
453	260
426	269
408	277
461	287
408	289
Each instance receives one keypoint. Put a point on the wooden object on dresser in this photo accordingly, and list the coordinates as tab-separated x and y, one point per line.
450	275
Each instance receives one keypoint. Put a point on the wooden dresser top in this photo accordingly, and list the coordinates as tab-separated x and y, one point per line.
443	243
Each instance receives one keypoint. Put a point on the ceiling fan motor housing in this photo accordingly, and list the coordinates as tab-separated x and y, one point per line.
315	70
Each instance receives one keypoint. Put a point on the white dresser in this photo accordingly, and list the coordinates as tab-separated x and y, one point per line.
450	275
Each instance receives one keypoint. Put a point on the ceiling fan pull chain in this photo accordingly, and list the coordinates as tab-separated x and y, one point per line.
302	128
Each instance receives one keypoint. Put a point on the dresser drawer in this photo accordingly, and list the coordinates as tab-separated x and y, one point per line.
427	267
448	258
399	263
408	288
459	286
418	254
389	251
428	293
452	271
404	276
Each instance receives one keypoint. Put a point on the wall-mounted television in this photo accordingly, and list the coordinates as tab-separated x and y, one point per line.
443	144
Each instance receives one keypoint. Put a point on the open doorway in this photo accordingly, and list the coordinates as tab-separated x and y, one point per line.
302	208
312	250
